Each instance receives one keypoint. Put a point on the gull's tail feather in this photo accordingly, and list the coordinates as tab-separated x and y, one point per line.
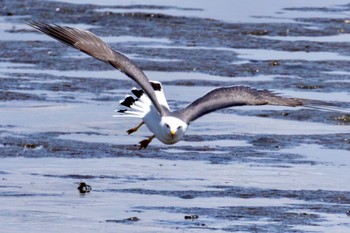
134	106
138	104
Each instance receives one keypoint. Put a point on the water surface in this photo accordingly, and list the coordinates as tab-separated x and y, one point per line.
247	169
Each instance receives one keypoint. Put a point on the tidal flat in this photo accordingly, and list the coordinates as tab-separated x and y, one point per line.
246	169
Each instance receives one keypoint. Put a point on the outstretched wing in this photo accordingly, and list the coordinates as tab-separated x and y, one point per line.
90	44
225	97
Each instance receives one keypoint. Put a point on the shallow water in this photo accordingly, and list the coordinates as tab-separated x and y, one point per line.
248	169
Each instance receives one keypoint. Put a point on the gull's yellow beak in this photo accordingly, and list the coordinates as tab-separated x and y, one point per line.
172	134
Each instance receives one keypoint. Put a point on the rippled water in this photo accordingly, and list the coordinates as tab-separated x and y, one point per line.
248	169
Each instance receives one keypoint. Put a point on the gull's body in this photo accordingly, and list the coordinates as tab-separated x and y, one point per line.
142	107
150	103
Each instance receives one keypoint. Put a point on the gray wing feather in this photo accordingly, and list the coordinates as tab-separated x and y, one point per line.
90	44
225	97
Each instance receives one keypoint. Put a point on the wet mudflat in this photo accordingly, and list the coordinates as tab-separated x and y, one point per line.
248	169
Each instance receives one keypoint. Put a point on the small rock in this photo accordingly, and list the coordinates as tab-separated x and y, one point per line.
343	118
84	188
127	220
134	219
308	87
30	146
258	33
187	196
191	217
274	63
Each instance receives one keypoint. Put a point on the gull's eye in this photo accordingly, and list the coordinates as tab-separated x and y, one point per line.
179	127
167	125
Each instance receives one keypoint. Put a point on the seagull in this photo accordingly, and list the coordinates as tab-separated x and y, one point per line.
149	103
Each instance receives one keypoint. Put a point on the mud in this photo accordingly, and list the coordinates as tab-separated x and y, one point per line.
250	169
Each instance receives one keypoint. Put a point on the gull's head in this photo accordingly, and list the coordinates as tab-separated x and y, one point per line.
174	128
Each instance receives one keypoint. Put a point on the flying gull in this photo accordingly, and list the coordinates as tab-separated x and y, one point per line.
149	102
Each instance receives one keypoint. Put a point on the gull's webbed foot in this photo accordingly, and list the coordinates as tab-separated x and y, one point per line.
132	130
144	143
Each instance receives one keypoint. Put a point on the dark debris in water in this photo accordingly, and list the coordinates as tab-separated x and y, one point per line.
30	146
191	217
263	32
127	220
309	87
343	119
348	213
84	188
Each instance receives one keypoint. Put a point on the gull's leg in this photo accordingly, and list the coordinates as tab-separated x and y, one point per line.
144	143
132	130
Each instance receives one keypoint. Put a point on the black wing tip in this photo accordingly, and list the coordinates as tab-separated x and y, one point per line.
39	25
137	92
36	24
48	28
43	27
157	86
128	101
33	22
